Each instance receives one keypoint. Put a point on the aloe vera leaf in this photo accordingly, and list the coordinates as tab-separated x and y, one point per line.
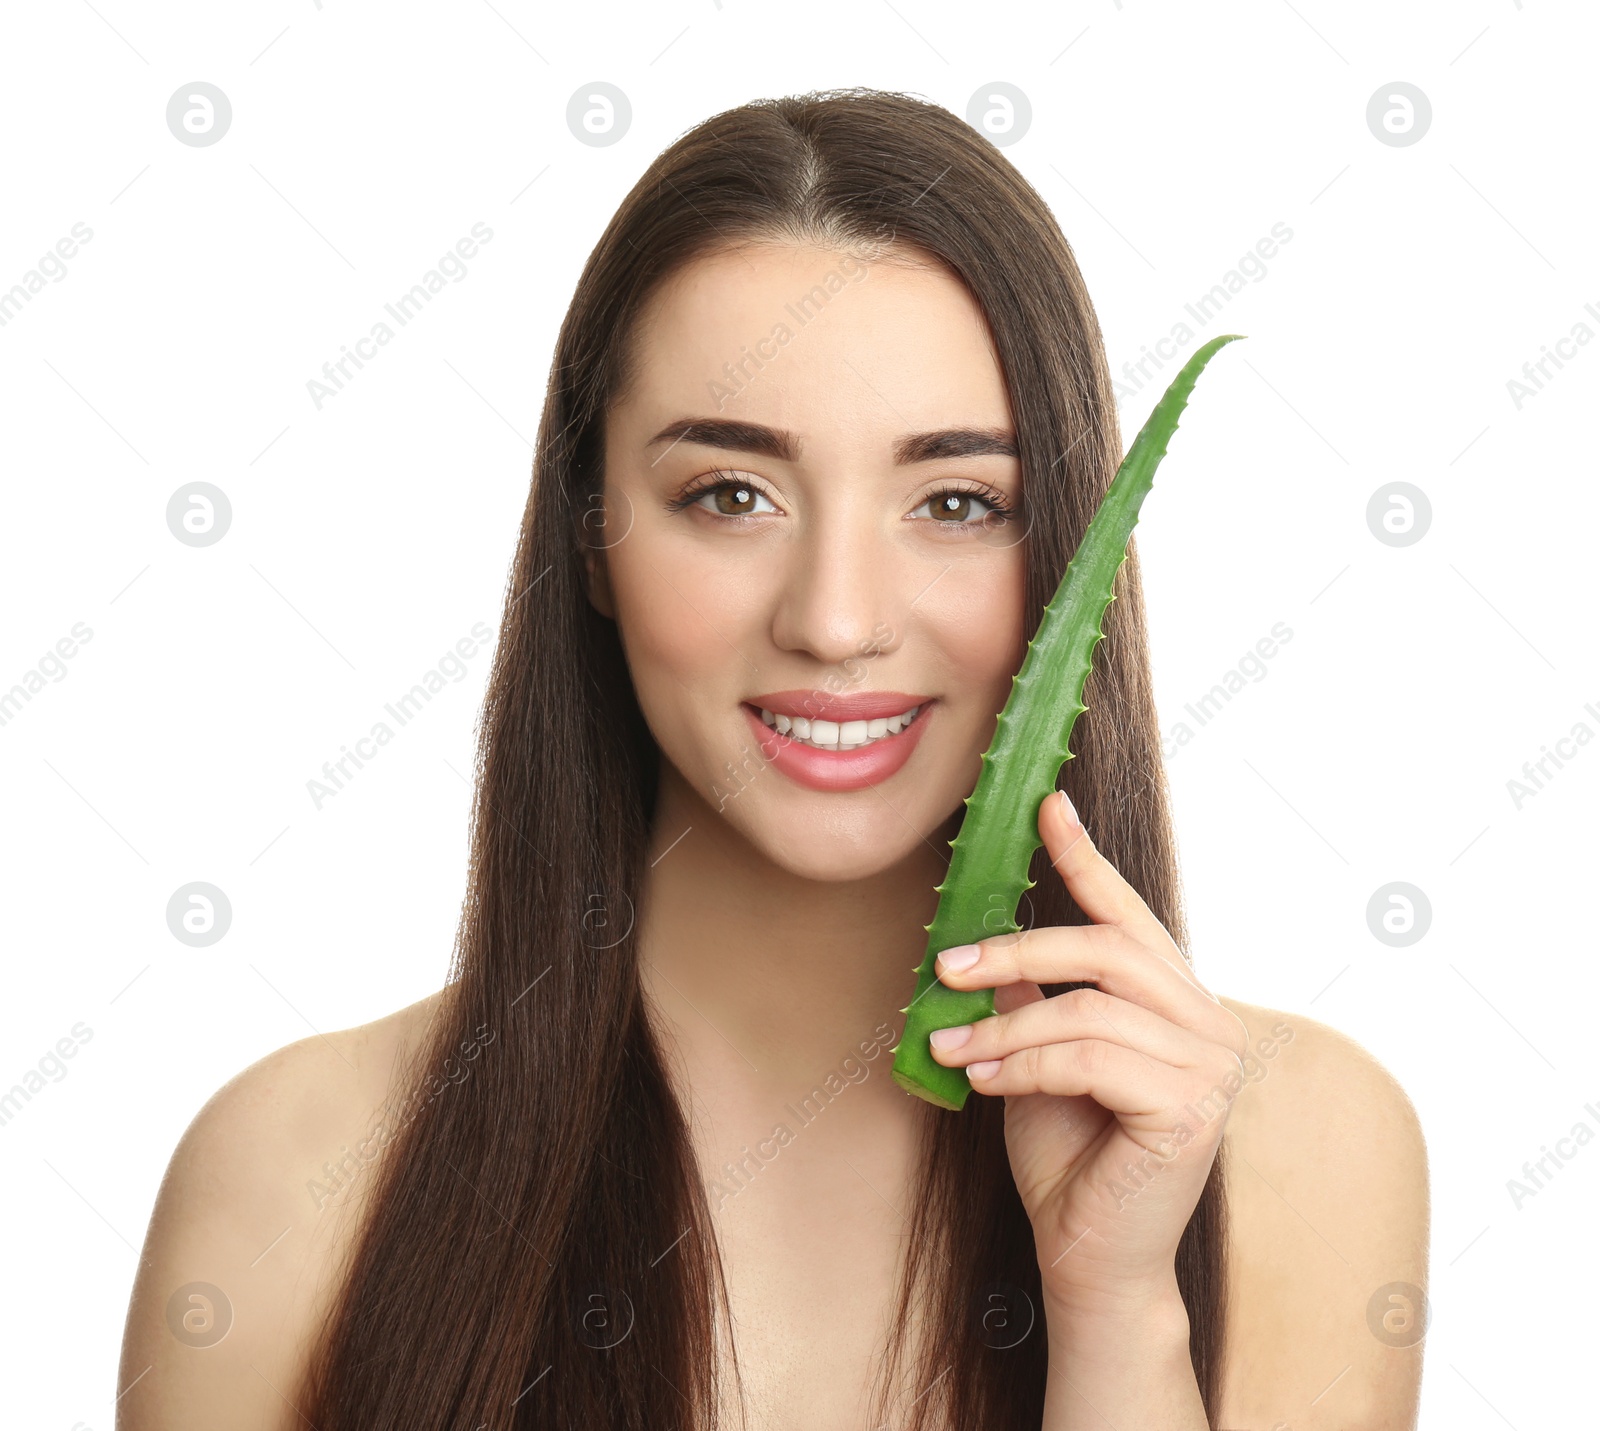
988	871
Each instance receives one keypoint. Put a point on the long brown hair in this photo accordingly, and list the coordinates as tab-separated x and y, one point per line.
539	1250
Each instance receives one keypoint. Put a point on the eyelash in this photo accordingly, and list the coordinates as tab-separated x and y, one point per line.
994	500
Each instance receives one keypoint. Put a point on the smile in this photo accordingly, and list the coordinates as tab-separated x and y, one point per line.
839	735
864	739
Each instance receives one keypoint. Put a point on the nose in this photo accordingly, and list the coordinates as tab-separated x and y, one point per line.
840	592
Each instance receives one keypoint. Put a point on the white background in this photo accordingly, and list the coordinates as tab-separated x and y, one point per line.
368	537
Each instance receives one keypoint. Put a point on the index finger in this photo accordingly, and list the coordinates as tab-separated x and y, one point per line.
1095	884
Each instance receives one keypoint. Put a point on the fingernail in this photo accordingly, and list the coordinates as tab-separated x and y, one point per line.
959	959
945	1039
1069	810
986	1069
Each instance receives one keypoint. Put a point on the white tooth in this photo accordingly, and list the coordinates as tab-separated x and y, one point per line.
839	735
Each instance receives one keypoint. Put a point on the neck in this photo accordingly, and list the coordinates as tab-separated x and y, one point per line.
764	973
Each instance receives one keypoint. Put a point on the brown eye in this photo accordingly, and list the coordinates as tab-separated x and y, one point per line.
956	507
731	498
952	507
734	499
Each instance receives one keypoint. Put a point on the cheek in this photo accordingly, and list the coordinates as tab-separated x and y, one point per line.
978	624
682	619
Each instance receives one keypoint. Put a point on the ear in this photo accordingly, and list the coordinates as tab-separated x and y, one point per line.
599	582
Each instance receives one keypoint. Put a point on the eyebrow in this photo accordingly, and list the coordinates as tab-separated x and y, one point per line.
785	446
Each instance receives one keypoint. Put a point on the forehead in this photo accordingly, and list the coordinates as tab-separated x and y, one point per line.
811	337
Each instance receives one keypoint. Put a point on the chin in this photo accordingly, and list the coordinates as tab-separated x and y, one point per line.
833	858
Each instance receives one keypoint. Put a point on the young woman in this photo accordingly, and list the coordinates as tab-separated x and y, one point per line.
828	415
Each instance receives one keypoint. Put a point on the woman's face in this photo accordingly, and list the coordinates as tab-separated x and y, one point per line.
804	499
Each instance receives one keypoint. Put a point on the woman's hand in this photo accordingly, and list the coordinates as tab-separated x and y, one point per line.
1116	1097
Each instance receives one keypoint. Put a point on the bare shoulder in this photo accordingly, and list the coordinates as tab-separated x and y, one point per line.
1327	1183
251	1223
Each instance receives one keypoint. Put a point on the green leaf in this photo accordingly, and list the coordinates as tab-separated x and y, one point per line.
989	859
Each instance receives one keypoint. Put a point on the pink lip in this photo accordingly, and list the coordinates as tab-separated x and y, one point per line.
840	770
830	705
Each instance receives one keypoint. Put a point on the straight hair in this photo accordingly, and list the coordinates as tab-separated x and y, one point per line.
538	1249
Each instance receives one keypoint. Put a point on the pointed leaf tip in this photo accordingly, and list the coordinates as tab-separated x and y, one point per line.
1029	730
